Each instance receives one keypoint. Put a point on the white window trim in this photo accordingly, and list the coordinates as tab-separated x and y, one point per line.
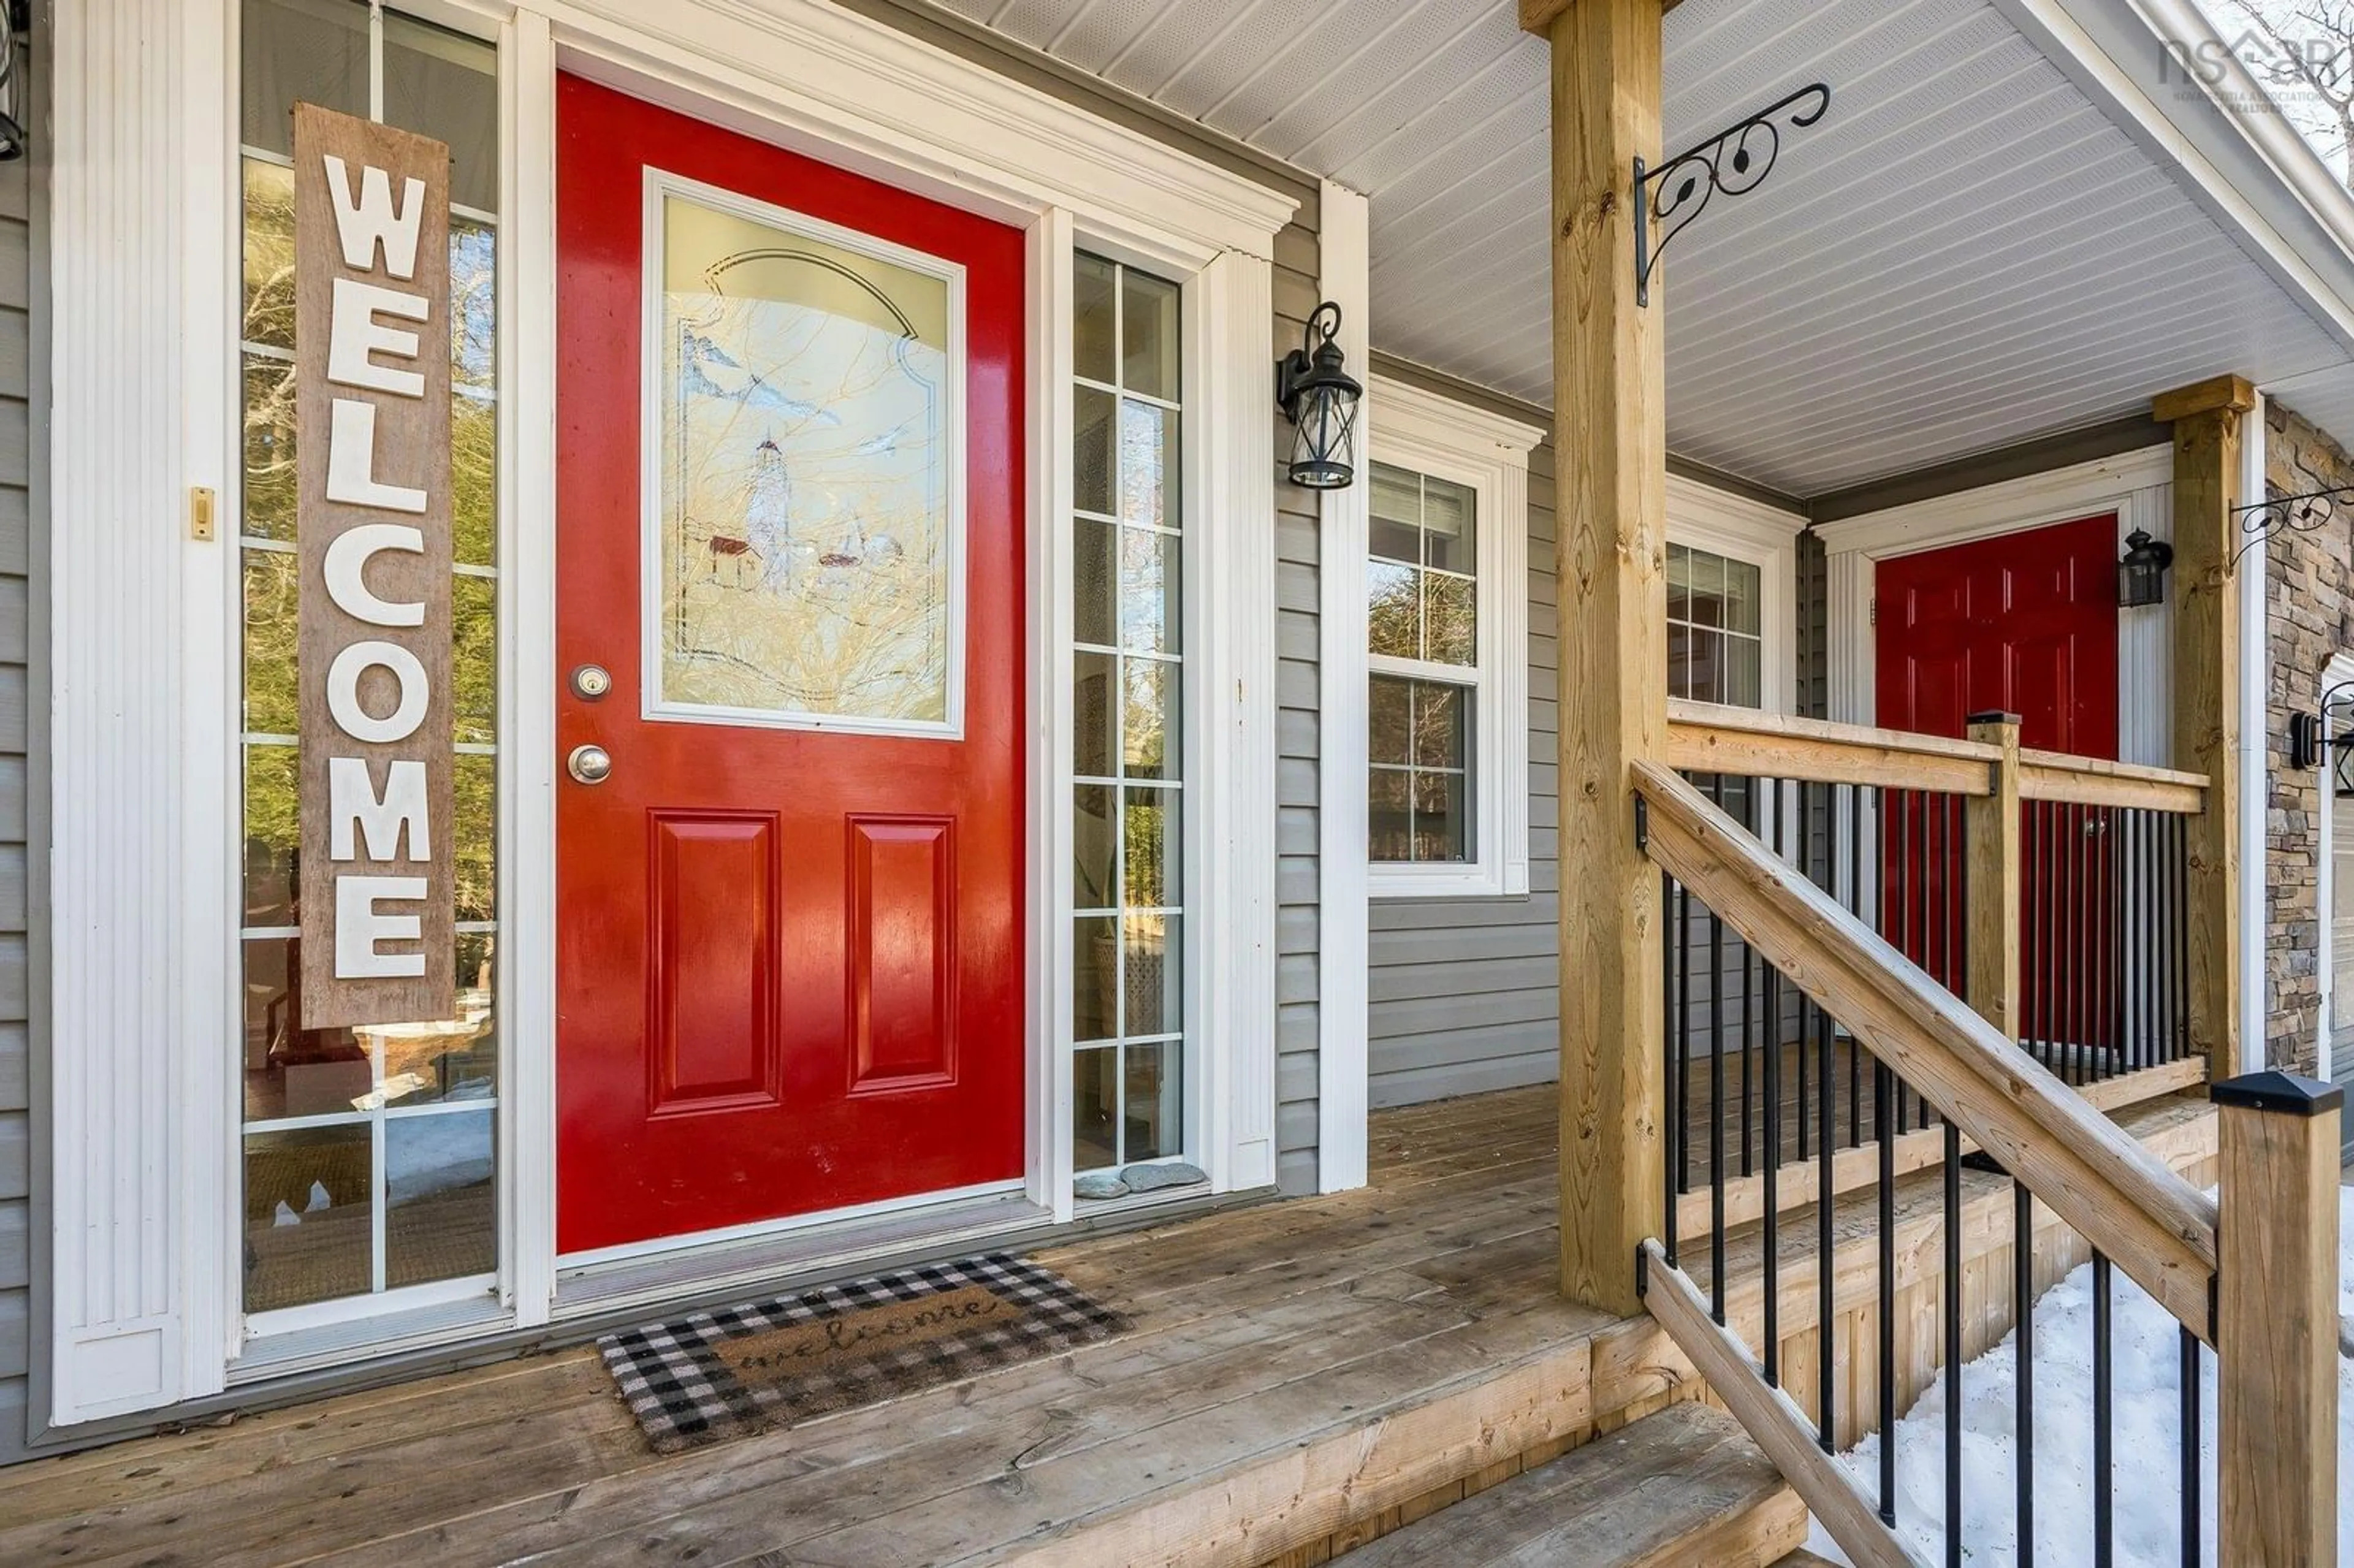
1444	439
142	1309
1704	517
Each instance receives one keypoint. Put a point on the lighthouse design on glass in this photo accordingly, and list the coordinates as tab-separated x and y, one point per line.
806	514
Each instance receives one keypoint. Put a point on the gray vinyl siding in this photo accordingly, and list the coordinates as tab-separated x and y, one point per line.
1463	993
1296	692
1813	651
15	513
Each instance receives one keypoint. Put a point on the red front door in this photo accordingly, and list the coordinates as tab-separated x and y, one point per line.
789	949
2024	623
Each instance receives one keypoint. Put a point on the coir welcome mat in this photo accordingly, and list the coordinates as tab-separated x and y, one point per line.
717	1375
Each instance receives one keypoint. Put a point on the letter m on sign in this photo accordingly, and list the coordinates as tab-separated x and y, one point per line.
377	885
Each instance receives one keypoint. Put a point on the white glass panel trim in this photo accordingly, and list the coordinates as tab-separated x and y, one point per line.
659	187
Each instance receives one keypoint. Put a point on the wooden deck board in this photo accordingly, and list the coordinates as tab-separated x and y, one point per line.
1304	1356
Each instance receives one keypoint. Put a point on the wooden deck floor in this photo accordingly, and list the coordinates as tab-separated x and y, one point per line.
1292	1367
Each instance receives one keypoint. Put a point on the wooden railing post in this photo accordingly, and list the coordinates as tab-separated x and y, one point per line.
2276	1321
1610	435
2205	419
1990	837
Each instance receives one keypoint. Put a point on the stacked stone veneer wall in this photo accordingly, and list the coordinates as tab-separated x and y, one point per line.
2309	603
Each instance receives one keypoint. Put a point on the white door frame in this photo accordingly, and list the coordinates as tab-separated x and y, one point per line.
2339	670
836	86
2136	485
143	1310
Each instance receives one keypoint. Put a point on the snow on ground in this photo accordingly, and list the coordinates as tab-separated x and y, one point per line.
2145	1382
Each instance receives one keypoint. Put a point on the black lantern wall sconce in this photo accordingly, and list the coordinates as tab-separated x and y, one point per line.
2310	742
1735	160
2306	513
1318	395
2141	576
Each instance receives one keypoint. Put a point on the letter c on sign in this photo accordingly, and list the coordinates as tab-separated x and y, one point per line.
346	573
343	693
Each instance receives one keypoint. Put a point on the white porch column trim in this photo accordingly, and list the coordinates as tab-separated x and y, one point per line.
1343	1062
1238	693
2255	762
528	611
142	382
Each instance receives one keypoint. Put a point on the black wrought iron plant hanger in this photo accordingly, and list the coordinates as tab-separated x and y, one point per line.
1734	162
2306	513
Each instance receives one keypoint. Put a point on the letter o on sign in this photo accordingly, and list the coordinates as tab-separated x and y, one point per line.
343	693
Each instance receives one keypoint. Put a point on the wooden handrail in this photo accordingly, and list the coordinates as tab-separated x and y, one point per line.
1770	1416
1711	737
2156	1226
2093	781
1707	738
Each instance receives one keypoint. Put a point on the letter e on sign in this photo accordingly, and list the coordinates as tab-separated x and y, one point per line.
378	903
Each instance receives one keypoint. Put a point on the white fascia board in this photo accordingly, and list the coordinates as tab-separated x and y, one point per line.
878	99
2251	173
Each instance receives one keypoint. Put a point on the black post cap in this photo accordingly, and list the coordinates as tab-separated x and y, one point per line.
1995	715
2283	1093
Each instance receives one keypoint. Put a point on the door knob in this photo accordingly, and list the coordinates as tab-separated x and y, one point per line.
589	764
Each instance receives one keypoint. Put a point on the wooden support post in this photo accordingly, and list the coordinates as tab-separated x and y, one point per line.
1990	829
2276	1321
2206	420
1610	434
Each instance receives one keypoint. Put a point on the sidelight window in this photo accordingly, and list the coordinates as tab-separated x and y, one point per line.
367	1153
1129	879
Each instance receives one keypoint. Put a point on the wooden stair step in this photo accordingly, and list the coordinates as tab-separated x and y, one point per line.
1683	1486
1804	1559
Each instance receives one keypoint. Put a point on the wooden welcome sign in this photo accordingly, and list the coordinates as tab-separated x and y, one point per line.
372	417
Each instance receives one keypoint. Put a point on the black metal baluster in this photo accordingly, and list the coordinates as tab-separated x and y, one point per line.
2162	964
1855	907
1922	953
1683	1039
1948	884
2191	1544
1749	961
2181	938
1952	1291
2109	911
1826	1201
1806	1003
1716	1113
1770	1259
2123	944
2022	1305
2104	1522
1668	963
2046	937
2072	909
1880	1097
1903	920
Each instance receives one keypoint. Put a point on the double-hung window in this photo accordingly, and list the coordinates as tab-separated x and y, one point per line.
1446	648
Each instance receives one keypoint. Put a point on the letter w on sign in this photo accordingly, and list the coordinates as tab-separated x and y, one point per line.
372	409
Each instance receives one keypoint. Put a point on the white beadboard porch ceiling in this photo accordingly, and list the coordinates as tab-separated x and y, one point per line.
1966	253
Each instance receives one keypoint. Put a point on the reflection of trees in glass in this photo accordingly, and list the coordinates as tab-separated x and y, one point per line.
272	822
1394	613
1414	613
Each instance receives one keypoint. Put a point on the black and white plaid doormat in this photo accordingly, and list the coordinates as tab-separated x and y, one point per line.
723	1374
